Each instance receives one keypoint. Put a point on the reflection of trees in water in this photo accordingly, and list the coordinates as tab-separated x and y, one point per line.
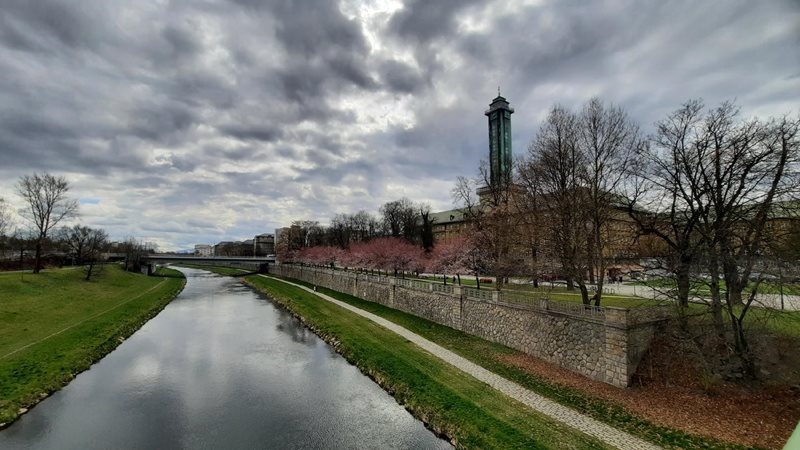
292	326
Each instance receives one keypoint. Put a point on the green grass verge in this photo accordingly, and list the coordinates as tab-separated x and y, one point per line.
55	325
773	321
484	353
702	289
449	401
220	270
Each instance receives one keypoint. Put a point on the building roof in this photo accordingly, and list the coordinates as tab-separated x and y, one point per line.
449	216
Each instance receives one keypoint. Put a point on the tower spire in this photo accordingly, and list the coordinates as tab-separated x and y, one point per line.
500	160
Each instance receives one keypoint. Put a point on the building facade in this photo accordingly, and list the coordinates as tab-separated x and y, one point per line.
264	244
203	250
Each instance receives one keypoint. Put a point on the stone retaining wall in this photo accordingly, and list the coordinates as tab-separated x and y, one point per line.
604	344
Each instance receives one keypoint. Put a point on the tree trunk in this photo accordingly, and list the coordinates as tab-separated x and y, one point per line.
716	297
37	265
584	293
682	274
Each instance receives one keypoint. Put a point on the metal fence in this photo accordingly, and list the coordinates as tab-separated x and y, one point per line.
539	300
446	289
376	278
478	293
534	300
413	284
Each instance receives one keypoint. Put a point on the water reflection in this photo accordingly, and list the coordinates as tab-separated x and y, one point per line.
220	367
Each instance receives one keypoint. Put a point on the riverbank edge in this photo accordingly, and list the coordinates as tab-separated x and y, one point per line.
331	340
604	411
419	411
99	352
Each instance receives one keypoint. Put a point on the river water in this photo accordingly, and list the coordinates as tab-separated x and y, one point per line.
220	367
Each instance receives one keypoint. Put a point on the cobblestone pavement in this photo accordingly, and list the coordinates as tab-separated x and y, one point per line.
605	433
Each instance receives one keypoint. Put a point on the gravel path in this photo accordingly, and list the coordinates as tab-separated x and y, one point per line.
605	433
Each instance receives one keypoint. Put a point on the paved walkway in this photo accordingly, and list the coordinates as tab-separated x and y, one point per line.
605	433
789	303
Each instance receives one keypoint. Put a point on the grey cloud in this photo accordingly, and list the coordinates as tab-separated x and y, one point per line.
247	114
42	25
401	77
422	21
263	132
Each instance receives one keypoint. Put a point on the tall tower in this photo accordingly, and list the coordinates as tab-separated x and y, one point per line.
500	161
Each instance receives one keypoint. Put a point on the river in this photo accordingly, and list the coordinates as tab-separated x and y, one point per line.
220	367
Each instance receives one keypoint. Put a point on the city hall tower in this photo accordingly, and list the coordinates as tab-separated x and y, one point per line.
500	162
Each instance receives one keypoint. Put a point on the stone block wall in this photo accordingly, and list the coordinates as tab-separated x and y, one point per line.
605	347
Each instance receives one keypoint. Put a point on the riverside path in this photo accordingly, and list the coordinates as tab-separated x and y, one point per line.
556	411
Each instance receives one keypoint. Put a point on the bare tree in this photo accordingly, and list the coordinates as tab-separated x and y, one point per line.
5	226
399	218
5	217
47	206
96	243
76	238
493	224
134	251
711	185
426	227
557	169
608	141
661	197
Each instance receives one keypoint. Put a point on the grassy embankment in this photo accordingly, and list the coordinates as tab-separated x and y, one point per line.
373	351
449	401
221	270
55	325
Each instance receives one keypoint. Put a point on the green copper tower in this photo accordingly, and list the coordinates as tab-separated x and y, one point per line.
500	161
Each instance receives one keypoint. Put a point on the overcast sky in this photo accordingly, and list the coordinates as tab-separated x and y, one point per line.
184	122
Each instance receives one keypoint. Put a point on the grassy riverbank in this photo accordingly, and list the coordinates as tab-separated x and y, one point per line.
499	359
449	401
55	325
220	270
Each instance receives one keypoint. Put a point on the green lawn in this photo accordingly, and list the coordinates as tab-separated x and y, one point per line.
485	354
54	325
702	289
221	270
452	402
557	293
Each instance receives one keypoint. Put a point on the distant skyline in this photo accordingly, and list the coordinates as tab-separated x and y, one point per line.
188	122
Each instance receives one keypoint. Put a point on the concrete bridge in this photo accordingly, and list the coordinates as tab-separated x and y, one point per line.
252	263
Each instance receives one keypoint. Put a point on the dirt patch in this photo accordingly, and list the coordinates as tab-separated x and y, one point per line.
761	416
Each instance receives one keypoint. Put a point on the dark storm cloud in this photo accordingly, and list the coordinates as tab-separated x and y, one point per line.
44	25
224	117
423	21
401	77
264	133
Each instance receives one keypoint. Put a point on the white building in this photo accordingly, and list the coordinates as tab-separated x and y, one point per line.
203	250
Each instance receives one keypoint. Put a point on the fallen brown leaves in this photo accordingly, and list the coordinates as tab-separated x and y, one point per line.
752	416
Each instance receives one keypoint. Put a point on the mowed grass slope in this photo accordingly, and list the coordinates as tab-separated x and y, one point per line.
485	354
220	270
451	402
54	325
